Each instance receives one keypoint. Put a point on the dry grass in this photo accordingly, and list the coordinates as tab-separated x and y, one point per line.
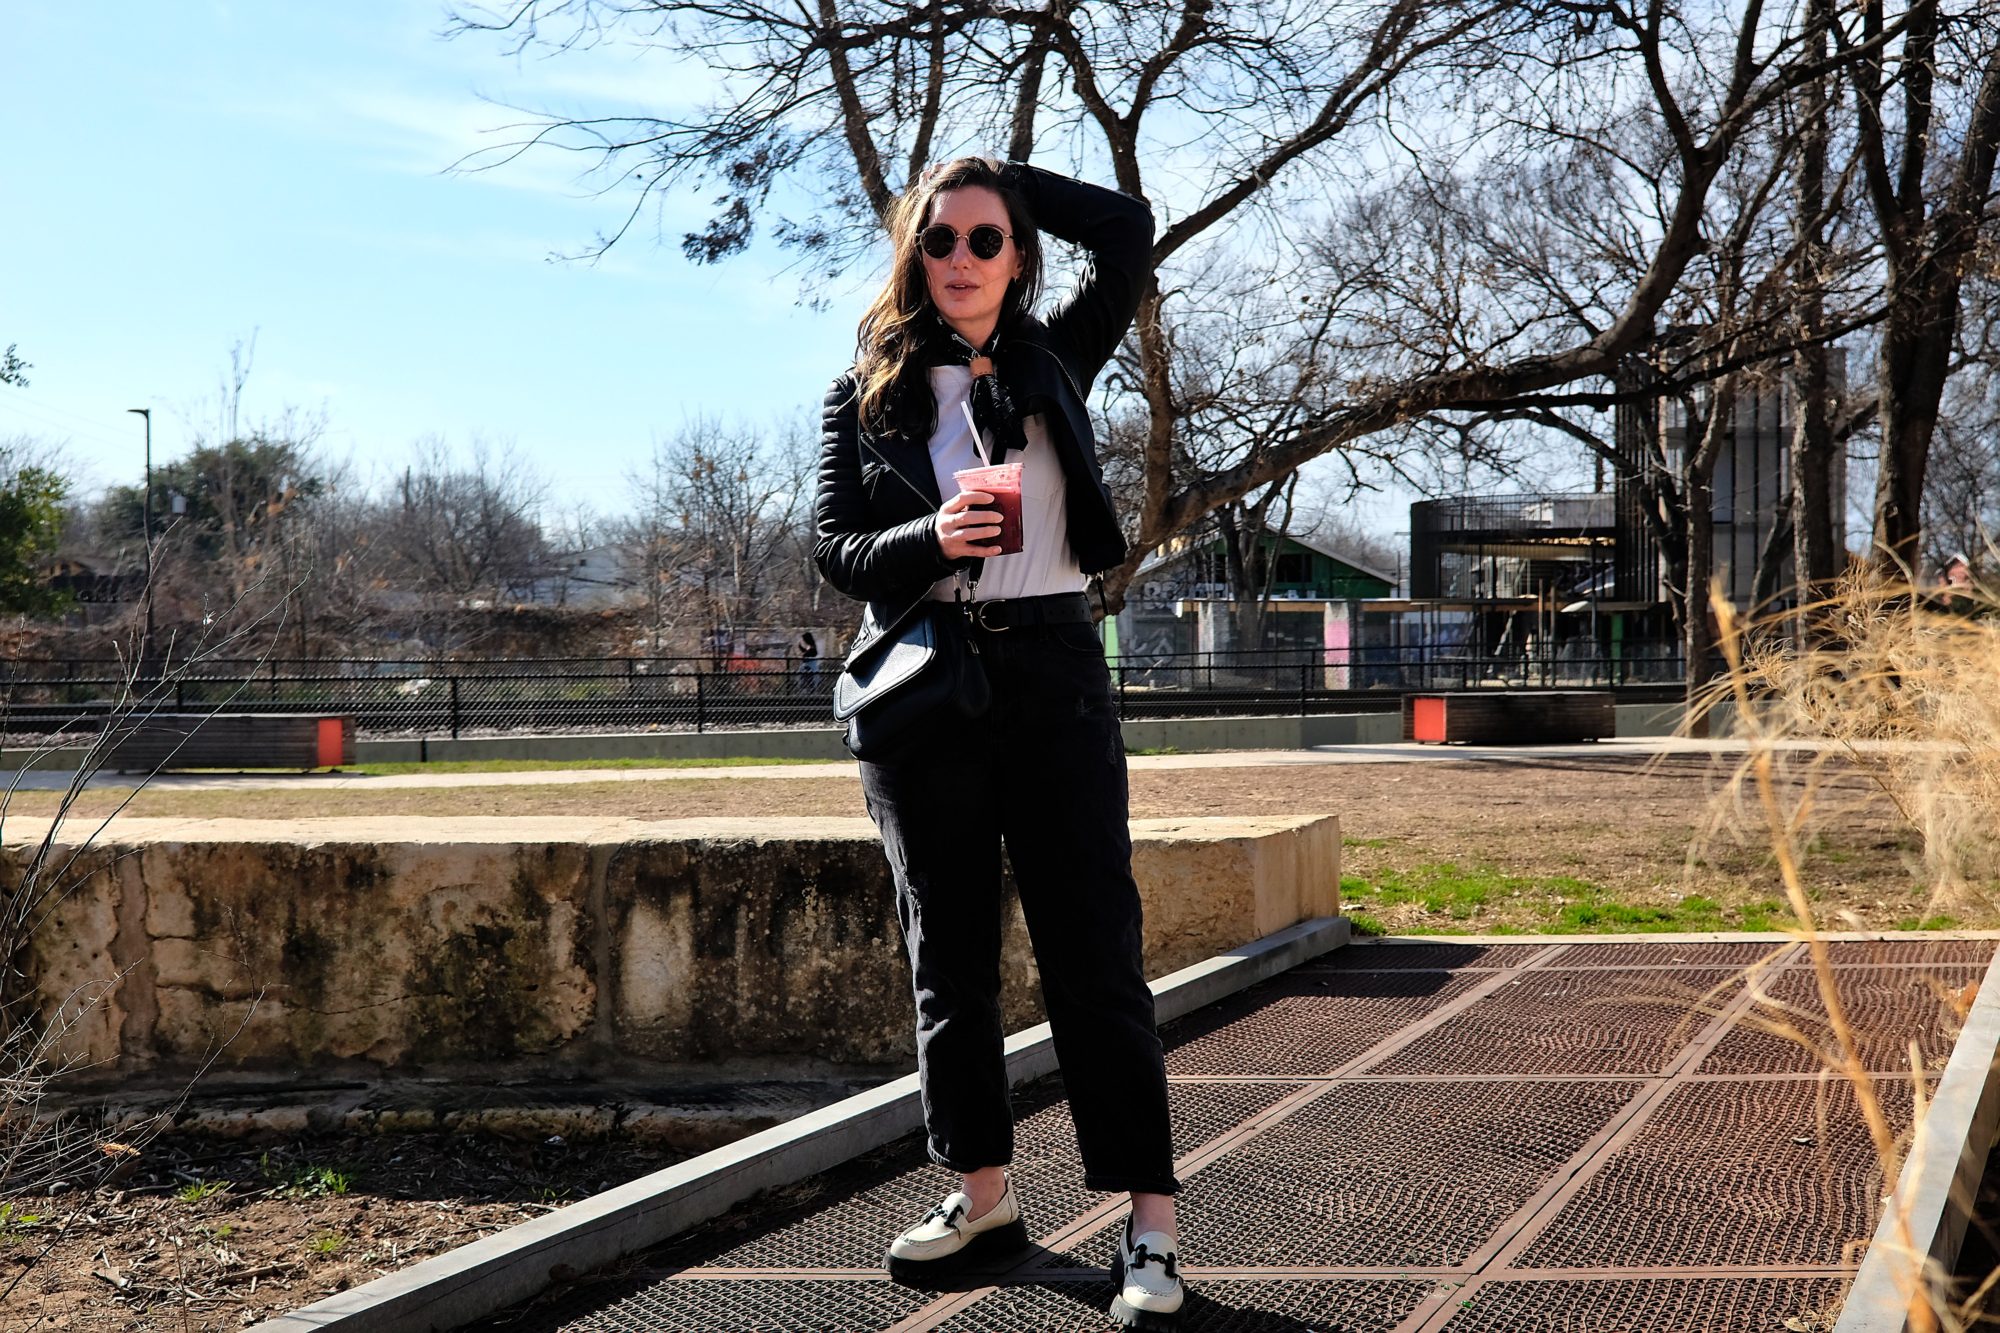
1907	693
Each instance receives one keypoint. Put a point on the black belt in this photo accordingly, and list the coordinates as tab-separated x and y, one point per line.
1060	608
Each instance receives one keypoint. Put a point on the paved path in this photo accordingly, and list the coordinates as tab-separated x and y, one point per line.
1400	1138
1397	753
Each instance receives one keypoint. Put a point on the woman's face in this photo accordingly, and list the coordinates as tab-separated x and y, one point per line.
967	290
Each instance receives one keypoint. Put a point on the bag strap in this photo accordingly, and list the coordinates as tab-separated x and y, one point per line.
968	582
896	626
888	632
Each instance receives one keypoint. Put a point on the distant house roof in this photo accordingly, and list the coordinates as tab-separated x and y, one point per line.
90	562
1342	557
1160	559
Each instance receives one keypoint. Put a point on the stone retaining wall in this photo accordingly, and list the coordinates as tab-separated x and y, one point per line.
424	946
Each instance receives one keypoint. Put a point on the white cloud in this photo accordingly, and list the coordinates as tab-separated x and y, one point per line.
427	133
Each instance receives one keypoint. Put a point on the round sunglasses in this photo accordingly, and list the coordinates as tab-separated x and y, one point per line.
938	240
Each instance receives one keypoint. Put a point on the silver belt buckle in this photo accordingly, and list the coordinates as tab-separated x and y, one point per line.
979	610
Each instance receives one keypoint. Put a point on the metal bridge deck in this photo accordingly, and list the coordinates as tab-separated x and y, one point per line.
1406	1137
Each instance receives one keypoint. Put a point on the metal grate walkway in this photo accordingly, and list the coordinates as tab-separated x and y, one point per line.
1404	1137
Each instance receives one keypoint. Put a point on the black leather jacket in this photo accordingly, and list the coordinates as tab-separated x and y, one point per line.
875	530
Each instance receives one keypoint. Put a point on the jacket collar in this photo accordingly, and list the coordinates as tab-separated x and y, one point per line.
1033	376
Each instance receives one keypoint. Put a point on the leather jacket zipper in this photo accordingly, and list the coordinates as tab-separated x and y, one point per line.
901	475
895	626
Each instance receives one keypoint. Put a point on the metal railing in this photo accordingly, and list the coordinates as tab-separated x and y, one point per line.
700	694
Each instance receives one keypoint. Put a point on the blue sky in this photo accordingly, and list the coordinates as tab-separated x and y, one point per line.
179	177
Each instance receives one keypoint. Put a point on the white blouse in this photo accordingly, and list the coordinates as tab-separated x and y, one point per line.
1045	563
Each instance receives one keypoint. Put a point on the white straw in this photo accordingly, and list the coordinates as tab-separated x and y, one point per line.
985	459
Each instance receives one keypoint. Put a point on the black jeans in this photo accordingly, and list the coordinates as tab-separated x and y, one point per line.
1043	771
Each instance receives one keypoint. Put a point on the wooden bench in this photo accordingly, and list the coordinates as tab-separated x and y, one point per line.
161	742
1509	717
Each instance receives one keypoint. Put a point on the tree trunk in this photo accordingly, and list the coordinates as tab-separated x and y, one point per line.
1911	371
1764	589
1817	552
1697	643
1928	258
1021	135
1665	506
1698	511
1239	544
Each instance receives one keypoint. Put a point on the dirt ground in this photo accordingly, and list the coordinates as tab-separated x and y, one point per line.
1613	842
206	1237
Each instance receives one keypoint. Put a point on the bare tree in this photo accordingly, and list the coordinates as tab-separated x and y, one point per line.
1545	252
1919	93
1962	498
1233	121
333	562
716	534
1962	484
460	531
1816	450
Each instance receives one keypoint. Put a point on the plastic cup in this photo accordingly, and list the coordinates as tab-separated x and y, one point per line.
1002	481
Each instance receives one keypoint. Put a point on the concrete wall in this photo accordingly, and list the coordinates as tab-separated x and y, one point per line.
1190	735
423	946
1187	735
1636	720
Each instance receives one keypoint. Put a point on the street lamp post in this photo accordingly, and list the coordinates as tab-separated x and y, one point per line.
146	523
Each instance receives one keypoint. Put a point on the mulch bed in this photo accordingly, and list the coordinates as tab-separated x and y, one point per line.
202	1235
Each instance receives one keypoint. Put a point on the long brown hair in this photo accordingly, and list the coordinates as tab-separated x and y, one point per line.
897	324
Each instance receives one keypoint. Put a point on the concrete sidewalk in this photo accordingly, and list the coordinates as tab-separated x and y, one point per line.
1392	753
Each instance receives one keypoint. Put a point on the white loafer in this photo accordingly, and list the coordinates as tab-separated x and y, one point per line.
1146	1271
945	1241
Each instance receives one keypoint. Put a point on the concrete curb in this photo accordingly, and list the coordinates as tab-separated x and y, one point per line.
1693	937
489	1275
1185	735
1941	1178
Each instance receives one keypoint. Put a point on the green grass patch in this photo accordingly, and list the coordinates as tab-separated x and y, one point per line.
1928	923
1764	915
1619	918
1364	842
310	1181
1451	891
15	1223
1156	749
197	1190
1364	924
1482	900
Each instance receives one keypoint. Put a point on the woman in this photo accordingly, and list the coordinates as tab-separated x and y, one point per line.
950	347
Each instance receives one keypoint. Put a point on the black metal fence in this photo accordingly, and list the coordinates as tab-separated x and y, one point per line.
698	694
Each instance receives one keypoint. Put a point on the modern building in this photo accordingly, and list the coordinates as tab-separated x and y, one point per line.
1572	585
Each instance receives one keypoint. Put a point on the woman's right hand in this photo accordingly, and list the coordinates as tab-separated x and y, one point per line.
967	526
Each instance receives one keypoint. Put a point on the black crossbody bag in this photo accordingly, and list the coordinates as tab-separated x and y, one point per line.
901	678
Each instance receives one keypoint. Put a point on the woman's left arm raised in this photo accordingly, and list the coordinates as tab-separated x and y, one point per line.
1116	232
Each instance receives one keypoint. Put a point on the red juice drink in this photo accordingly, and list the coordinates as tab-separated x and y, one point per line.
1002	481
